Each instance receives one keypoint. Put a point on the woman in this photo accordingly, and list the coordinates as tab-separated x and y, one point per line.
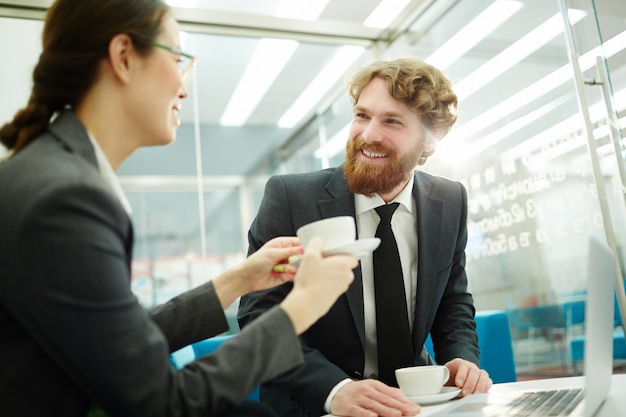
73	334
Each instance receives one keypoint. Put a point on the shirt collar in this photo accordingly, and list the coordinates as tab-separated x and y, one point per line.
364	203
109	175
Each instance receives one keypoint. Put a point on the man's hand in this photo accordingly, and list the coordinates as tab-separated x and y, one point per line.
467	376
371	398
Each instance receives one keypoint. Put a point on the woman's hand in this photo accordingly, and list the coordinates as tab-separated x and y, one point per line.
257	272
317	285
269	266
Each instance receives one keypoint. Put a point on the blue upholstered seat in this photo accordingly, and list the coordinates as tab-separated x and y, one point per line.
577	348
577	344
183	356
494	341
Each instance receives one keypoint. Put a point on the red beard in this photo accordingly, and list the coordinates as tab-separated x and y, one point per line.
370	179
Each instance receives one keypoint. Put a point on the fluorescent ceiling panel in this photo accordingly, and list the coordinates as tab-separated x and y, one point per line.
467	151
301	9
474	32
515	53
384	13
343	59
534	91
188	4
566	128
268	60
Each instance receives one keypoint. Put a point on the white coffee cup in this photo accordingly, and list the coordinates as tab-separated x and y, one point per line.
335	232
416	381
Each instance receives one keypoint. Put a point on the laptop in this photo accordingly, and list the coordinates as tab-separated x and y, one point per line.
598	359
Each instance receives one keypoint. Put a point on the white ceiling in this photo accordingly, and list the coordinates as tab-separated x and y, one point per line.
224	33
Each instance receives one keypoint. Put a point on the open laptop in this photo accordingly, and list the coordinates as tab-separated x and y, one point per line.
598	359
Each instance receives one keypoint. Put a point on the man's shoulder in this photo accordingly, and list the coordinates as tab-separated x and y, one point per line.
438	186
422	177
320	177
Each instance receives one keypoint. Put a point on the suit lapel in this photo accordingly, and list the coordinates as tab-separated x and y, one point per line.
429	229
71	132
341	203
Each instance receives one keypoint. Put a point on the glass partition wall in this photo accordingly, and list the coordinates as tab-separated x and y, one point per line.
534	87
522	150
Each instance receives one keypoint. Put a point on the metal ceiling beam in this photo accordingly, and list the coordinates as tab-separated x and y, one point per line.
252	25
234	24
25	9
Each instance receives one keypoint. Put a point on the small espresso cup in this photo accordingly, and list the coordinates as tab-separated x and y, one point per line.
416	381
335	232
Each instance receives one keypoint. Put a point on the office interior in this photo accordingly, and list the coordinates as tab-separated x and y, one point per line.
539	142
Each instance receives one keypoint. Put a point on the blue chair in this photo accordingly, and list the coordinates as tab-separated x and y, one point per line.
182	357
577	348
494	341
189	353
577	344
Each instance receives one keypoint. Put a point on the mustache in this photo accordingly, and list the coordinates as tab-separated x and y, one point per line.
359	145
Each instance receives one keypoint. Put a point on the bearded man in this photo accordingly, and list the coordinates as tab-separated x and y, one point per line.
402	108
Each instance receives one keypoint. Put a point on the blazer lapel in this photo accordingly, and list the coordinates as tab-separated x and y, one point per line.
71	132
341	203
429	229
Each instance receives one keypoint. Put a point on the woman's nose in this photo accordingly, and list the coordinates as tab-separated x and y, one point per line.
184	92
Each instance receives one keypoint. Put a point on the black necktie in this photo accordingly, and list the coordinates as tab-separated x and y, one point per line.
395	346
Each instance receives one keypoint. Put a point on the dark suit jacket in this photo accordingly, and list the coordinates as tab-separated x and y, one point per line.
74	334
334	347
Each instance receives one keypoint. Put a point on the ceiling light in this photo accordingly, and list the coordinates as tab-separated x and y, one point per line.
468	150
512	55
536	90
188	4
343	59
474	32
564	129
268	60
301	9
384	13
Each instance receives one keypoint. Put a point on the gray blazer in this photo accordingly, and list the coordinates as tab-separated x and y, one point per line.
334	347
74	334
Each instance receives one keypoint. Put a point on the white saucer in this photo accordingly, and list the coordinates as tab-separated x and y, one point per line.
358	249
447	393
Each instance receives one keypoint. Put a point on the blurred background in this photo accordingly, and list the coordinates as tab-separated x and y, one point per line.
538	144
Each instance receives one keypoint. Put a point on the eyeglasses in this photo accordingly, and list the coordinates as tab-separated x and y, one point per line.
185	60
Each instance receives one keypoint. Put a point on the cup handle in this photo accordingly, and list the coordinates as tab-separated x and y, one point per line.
446	375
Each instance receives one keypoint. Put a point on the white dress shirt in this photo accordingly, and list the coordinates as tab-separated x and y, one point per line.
109	176
404	226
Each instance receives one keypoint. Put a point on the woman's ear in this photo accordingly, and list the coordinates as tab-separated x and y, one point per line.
121	54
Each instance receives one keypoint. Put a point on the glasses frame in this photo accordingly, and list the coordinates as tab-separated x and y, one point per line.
192	59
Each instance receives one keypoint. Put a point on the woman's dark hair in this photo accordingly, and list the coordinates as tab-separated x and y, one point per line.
76	37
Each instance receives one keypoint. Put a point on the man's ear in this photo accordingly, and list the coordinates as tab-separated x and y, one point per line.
121	53
432	138
429	146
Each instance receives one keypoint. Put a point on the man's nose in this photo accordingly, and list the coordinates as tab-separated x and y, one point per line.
372	132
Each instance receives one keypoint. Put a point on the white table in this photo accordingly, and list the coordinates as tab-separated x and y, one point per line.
612	407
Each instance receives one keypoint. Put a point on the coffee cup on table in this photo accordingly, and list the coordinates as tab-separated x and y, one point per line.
417	381
335	232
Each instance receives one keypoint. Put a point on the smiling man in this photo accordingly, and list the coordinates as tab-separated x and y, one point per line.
402	108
